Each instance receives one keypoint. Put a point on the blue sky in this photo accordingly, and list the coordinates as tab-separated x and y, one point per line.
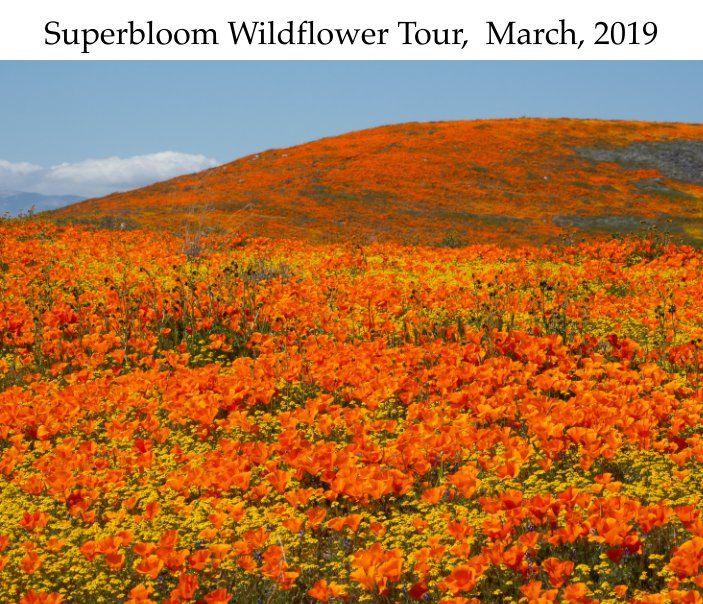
93	127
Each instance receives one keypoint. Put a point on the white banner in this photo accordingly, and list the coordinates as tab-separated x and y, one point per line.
364	29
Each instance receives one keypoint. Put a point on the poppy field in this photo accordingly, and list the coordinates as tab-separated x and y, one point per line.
259	420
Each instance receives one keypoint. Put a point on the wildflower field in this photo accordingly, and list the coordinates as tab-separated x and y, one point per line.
280	421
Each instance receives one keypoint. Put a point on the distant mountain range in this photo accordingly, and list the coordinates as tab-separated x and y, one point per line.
16	202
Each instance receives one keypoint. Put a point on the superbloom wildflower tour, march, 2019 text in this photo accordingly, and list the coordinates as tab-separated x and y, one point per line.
558	33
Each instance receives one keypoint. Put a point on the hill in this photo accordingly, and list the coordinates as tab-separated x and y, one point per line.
516	181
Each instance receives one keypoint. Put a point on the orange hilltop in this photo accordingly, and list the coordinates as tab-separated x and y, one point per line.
497	181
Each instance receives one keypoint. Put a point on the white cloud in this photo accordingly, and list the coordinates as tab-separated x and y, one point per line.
14	175
18	168
96	177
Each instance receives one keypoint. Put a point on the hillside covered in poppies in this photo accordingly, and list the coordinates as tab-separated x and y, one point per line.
191	412
498	181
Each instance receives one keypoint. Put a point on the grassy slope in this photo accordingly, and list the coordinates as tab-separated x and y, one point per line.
516	181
